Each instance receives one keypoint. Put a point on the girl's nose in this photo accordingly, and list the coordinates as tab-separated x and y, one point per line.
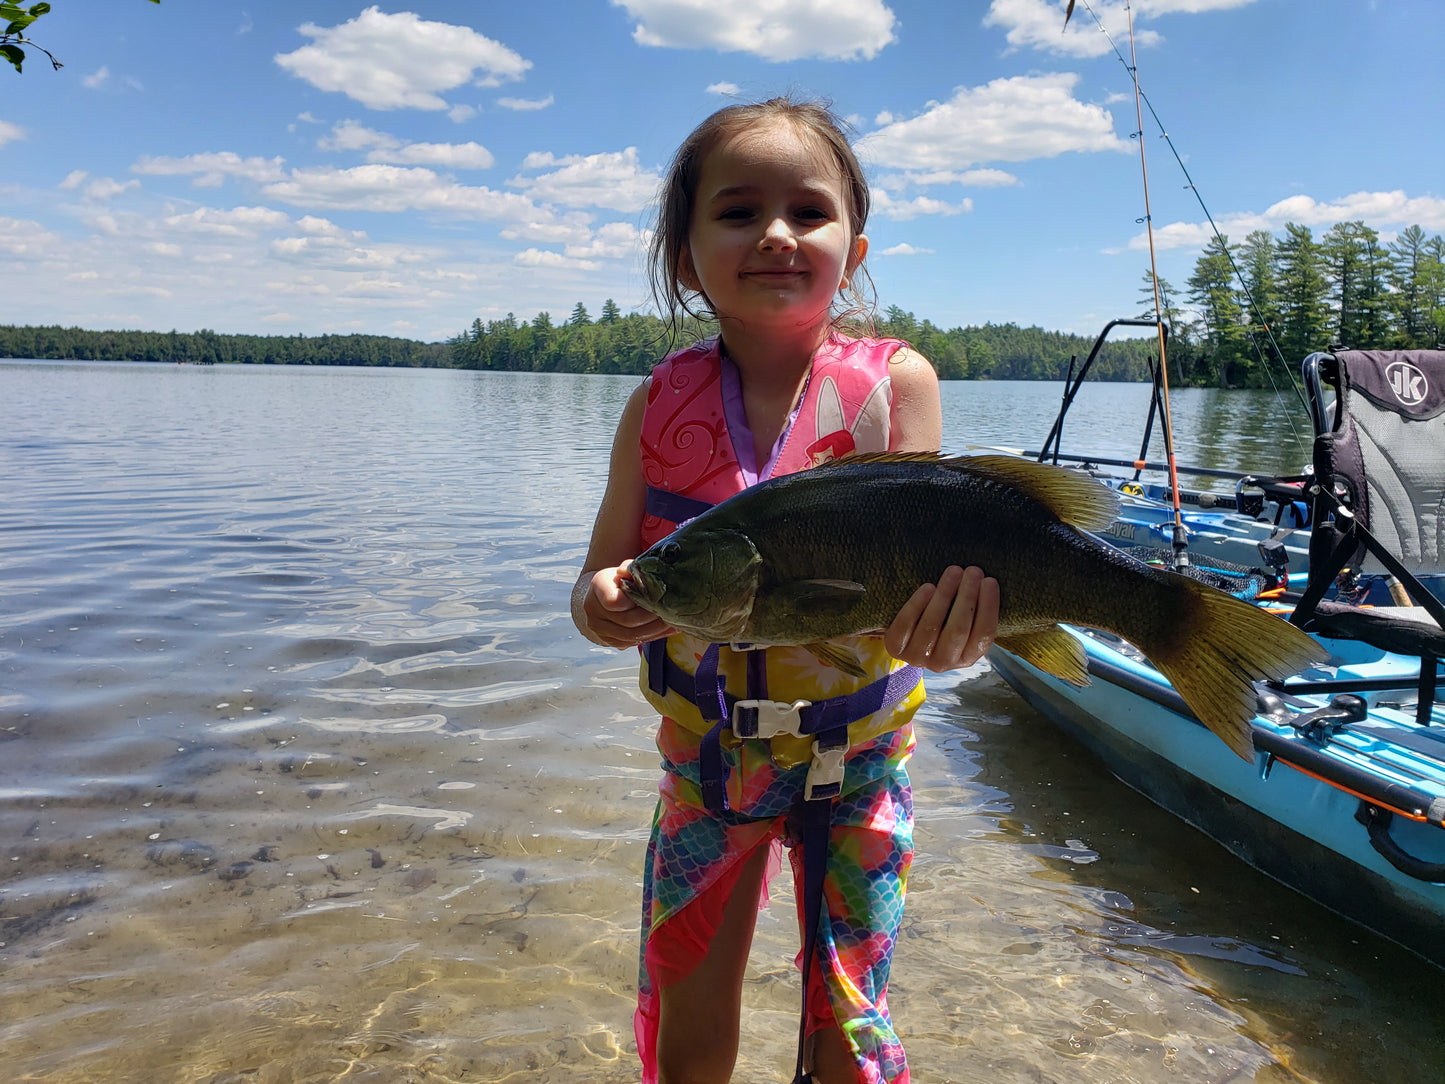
778	236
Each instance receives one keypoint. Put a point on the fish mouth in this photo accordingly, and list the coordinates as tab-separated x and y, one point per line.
637	586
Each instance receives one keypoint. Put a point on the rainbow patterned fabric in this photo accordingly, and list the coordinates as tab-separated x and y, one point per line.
694	854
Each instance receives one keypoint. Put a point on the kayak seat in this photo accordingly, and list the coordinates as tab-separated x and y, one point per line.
1382	448
1378	499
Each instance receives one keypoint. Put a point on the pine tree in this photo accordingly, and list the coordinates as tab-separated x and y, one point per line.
1304	311
1211	288
1350	252
1407	276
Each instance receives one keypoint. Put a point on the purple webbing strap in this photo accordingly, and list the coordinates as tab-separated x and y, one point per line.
711	700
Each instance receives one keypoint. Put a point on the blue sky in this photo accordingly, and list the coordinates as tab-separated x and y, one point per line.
325	166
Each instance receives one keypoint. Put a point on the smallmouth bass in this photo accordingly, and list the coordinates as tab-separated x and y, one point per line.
837	550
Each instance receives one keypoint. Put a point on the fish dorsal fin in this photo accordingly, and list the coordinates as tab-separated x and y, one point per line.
1069	494
853	459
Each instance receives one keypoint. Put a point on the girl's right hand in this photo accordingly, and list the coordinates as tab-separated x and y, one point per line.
606	614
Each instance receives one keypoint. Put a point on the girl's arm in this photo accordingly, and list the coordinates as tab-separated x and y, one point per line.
951	623
600	609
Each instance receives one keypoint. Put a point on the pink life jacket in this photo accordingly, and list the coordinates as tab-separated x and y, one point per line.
697	451
696	443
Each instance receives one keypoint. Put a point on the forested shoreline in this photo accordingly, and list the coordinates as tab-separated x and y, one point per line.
205	347
622	344
1291	295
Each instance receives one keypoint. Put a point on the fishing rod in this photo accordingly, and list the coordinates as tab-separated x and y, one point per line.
1181	538
1199	198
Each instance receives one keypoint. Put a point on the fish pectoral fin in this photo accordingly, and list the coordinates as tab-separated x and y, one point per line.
1052	650
836	657
827	597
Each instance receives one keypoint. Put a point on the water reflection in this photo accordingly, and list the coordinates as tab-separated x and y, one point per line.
308	777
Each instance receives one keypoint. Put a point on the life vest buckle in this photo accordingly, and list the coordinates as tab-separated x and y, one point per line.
769	718
825	773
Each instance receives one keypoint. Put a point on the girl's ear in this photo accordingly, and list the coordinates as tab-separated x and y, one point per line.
686	272
860	250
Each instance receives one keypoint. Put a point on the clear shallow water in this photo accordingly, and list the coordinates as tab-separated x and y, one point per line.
305	775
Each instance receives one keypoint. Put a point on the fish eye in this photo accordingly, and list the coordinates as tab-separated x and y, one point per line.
670	554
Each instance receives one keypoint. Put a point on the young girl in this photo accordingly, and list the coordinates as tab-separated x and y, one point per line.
761	223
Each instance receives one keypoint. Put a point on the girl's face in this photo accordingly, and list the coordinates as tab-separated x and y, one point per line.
770	243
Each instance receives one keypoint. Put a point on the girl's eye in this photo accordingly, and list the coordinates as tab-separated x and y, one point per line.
736	214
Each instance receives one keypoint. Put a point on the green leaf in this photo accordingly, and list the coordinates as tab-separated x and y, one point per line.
37	10
13	54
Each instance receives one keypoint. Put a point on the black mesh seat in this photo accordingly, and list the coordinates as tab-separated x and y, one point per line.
1378	497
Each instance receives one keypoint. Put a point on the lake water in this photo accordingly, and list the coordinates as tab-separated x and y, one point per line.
305	774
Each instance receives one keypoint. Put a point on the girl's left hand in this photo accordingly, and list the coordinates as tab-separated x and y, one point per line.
947	625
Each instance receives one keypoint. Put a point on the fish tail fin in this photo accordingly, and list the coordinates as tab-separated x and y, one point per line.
1222	647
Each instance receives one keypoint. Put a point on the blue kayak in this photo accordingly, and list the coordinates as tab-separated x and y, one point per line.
1344	798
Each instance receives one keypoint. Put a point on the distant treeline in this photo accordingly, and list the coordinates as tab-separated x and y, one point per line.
1270	298
1254	311
209	347
615	343
633	343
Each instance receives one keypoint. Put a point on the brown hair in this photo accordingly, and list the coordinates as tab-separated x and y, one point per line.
679	192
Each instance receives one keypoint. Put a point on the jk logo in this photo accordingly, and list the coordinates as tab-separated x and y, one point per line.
1407	382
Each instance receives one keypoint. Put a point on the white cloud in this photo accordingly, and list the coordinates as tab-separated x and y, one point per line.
301	284
772	29
445	155
384	148
726	90
613	241
1380	210
22	237
613	180
534	257
1039	24
572	228
400	61
211	169
969	178
525	105
104	188
10	132
97	78
237	222
902	210
905	249
73	180
390	189
1007	120
324	227
460	113
164	248
350	135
